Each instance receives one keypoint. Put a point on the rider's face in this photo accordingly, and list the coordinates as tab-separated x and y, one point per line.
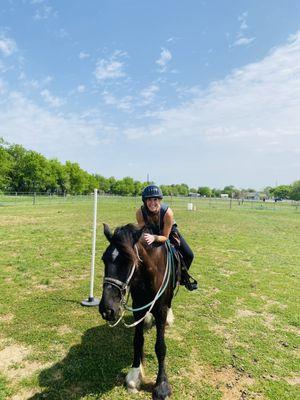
153	204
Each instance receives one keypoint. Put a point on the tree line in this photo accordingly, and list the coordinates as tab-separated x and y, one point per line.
26	171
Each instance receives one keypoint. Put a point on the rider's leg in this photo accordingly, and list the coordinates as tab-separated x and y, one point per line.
186	252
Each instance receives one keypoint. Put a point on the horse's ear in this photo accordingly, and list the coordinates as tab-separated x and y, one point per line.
107	232
137	235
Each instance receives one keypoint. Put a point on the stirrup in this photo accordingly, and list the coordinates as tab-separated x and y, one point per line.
191	284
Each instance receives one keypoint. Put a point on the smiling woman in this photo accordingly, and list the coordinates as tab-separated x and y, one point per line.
158	221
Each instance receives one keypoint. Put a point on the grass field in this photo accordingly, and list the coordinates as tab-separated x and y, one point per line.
236	338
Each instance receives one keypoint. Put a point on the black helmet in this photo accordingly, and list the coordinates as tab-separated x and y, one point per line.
151	191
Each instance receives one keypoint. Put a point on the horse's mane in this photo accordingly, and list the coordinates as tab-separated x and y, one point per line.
124	238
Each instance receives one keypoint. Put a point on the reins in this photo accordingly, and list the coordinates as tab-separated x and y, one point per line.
124	288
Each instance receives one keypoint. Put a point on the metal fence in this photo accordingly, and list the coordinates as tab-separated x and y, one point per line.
188	203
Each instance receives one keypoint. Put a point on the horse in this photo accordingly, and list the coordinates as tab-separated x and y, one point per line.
131	264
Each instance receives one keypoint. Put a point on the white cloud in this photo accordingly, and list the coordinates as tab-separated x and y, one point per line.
165	57
51	100
44	12
24	122
242	19
123	103
82	55
111	68
7	46
242	41
149	93
35	83
254	106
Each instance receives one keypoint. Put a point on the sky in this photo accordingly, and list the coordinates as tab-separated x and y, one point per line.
199	92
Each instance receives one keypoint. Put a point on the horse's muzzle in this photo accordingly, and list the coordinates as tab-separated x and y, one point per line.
107	313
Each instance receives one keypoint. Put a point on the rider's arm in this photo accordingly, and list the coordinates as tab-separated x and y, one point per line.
168	223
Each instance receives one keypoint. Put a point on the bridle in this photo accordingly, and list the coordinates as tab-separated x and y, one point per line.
124	288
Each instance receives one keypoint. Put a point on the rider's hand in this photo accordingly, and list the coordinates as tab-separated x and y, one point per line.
149	238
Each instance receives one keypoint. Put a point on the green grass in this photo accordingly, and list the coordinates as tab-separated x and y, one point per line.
238	335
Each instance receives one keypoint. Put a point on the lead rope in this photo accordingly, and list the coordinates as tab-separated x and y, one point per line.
158	294
151	304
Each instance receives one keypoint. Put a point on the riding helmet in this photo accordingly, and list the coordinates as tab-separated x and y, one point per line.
151	191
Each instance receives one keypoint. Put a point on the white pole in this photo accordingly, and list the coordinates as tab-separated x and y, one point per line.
91	301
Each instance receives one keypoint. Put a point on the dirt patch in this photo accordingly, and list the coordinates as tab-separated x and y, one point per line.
24	394
64	329
226	272
222	331
6	317
293	329
175	335
233	384
246	313
12	354
44	288
23	370
269	320
294	380
215	304
18	220
13	363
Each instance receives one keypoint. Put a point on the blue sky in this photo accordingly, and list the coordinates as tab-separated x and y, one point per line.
201	92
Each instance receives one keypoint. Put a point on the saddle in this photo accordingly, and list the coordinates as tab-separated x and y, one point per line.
180	271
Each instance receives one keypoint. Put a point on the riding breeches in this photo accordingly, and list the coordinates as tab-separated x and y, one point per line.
185	251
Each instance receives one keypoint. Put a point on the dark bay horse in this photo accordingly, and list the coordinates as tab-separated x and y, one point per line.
130	264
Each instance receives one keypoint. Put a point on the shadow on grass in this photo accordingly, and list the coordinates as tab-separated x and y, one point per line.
94	366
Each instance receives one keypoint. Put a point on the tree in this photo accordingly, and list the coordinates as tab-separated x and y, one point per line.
30	171
204	191
6	162
77	177
216	192
102	183
282	191
125	187
229	190
59	180
295	191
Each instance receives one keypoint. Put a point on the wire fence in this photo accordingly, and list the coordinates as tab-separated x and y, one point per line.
187	203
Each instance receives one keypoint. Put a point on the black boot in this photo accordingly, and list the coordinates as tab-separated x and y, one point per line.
186	280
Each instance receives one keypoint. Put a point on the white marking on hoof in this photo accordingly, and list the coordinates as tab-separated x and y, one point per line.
170	317
148	321
134	379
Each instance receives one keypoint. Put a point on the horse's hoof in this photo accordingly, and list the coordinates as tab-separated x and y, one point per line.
134	379
162	391
170	317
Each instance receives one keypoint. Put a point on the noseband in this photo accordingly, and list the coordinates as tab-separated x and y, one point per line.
122	286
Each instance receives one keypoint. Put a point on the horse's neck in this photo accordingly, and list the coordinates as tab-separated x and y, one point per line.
153	262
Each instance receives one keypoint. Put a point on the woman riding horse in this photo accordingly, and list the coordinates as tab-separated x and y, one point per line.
133	266
158	219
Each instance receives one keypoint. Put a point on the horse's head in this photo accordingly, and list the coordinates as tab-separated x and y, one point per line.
119	259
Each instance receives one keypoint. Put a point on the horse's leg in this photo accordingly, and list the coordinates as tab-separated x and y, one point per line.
170	317
162	388
135	375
